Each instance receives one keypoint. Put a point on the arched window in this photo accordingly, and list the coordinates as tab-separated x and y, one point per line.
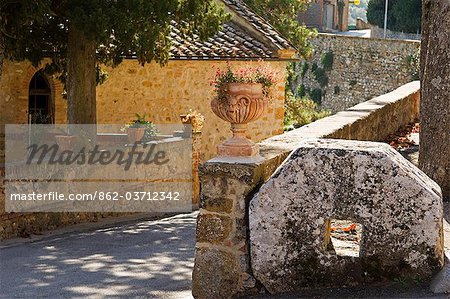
40	108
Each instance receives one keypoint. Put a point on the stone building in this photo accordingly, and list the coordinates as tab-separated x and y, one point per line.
326	15
27	95
161	92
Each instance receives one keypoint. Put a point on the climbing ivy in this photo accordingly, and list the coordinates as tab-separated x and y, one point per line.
327	60
302	91
413	62
316	95
321	77
337	90
305	67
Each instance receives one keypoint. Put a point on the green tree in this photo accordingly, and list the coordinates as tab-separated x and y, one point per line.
403	15
282	14
408	14
78	35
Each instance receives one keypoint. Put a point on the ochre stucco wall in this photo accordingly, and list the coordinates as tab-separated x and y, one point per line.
163	93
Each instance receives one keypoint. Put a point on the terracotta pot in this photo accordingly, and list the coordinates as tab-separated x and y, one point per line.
135	134
65	142
242	103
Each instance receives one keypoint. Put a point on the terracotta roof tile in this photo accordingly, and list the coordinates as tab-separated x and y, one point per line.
233	41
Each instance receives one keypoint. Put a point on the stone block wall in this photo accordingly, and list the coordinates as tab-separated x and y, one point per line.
163	93
23	224
222	263
362	68
377	32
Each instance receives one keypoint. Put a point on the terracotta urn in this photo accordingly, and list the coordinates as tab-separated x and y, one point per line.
135	134
66	142
239	104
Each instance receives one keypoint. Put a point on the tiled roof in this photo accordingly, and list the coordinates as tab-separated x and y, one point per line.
258	23
233	41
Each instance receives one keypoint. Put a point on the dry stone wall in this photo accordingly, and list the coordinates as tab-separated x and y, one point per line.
360	69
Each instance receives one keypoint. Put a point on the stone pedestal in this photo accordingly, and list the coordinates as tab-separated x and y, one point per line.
222	261
238	145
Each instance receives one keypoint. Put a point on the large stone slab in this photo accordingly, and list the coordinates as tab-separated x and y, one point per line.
399	207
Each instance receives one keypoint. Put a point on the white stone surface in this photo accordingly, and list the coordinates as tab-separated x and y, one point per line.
399	207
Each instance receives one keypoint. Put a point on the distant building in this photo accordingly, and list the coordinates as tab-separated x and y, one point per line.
326	15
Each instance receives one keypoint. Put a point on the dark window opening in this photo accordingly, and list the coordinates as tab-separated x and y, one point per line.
40	105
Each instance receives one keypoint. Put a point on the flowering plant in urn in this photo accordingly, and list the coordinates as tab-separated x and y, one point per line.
242	97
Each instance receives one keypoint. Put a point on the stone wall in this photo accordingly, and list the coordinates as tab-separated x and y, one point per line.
163	93
177	173
377	32
14	87
361	68
372	120
222	262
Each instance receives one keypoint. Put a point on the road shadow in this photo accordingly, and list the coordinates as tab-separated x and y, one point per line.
149	259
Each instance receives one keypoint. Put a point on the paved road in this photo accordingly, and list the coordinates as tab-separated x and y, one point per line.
146	259
138	259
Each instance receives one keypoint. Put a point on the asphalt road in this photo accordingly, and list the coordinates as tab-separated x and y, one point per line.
144	259
134	259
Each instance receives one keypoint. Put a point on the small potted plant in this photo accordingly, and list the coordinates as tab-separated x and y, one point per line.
140	130
242	95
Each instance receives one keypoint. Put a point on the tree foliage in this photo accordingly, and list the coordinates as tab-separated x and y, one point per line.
282	14
403	15
38	29
78	35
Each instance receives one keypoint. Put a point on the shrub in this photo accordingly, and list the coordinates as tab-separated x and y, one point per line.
301	111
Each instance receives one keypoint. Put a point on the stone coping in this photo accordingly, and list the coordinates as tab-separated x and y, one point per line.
328	127
372	120
371	39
